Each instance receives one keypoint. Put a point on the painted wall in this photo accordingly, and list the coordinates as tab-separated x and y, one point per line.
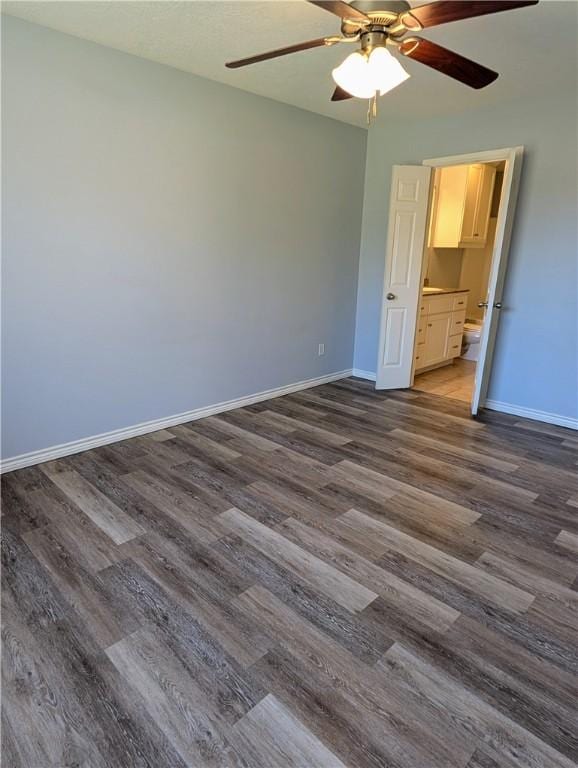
535	365
443	267
168	242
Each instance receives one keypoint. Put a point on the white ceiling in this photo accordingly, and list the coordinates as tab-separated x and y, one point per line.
533	48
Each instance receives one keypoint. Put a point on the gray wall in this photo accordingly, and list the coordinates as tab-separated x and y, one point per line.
535	365
168	242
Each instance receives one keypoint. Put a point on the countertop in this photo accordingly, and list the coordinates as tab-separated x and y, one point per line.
427	291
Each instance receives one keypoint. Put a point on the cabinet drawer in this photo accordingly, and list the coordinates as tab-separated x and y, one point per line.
458	320
460	302
437	304
455	345
423	307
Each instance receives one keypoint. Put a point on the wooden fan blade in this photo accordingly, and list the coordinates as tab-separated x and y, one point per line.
445	11
448	62
279	52
340	95
343	10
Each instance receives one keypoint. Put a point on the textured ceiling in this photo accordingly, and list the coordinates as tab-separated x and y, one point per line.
533	49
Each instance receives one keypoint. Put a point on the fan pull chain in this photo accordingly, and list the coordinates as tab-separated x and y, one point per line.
372	108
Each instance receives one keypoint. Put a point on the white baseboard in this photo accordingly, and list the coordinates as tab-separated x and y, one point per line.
85	444
363	374
530	413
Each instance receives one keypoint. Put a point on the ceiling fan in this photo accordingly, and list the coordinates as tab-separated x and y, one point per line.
376	25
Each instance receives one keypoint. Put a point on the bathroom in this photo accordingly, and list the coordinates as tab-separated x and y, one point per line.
458	255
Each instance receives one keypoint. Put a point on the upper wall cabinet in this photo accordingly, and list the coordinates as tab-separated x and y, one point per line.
462	200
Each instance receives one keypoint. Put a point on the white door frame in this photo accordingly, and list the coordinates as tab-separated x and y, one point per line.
508	197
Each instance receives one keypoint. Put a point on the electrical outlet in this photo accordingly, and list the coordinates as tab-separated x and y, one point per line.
321	351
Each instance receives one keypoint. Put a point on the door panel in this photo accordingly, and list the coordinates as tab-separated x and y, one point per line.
394	336
402	243
402	280
502	239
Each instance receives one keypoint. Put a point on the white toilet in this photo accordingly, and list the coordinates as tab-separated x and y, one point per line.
471	341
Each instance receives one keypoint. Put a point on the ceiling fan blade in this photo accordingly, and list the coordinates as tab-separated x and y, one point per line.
340	95
448	62
343	10
444	11
281	52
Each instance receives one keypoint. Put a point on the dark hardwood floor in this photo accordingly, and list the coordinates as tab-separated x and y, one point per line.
334	578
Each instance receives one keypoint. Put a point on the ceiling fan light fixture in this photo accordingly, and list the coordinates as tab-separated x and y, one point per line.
364	76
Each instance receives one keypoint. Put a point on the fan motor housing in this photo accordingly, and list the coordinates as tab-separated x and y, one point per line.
382	15
387	6
375	38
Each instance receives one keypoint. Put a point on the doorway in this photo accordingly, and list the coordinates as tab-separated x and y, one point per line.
457	258
415	201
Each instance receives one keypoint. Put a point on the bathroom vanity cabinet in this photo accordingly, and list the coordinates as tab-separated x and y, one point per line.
440	328
462	202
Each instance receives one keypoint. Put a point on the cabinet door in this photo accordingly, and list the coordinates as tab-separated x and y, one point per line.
482	216
449	190
437	333
473	186
480	186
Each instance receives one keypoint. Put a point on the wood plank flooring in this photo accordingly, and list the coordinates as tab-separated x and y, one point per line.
338	577
455	381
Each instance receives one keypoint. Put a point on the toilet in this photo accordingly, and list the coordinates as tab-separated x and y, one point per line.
471	341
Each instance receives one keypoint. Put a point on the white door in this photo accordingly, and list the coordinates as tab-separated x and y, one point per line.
408	209
493	302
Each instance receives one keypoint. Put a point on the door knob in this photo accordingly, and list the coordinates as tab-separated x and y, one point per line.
482	304
390	296
497	304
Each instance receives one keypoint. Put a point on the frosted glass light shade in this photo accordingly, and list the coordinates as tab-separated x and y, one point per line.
352	76
385	70
363	76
